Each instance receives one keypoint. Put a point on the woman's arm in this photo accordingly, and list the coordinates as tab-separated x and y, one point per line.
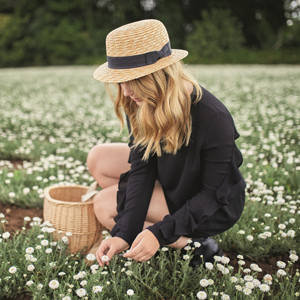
139	188
130	220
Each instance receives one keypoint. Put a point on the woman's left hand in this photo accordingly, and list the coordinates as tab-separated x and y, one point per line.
143	247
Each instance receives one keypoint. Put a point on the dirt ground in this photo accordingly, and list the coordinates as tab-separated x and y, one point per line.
15	217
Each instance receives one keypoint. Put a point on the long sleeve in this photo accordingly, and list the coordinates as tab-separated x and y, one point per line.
139	188
219	181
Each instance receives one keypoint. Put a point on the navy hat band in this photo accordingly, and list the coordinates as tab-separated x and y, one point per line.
140	60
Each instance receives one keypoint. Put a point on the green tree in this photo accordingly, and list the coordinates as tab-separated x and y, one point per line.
215	34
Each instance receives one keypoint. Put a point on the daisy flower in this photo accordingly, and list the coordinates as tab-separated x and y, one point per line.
130	292
54	284
281	264
44	243
81	292
293	257
264	287
204	282
30	268
105	258
12	270
97	289
201	295
91	257
6	235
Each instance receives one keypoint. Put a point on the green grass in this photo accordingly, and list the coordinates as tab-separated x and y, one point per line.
51	117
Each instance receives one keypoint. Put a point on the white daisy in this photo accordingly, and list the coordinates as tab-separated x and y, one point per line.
54	284
65	239
268	279
6	235
29	250
247	291
238	288
293	257
97	289
30	268
130	292
209	266
12	270
201	295
197	244
281	272
44	243
81	292
204	282
91	257
281	264
264	287
83	282
105	258
29	283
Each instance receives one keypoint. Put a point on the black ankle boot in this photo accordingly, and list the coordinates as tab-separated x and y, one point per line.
206	252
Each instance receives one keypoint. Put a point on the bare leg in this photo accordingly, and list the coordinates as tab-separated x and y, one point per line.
107	161
105	203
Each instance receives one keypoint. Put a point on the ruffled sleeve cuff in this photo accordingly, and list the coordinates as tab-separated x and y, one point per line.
233	183
160	237
127	238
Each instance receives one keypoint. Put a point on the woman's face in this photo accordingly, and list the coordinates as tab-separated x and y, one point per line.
128	92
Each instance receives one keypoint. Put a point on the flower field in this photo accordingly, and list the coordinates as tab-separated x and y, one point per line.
51	117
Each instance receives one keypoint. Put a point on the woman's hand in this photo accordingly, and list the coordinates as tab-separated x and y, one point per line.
110	247
143	247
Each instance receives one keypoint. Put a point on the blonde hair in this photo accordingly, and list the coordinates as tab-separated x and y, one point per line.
163	121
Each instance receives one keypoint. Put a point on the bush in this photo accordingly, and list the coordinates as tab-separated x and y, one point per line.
292	35
216	34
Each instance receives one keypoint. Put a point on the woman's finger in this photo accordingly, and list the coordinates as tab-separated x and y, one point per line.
102	250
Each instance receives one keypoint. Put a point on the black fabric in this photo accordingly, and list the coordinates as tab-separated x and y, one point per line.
140	60
202	184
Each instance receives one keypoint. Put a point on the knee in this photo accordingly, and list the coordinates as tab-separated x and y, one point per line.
93	158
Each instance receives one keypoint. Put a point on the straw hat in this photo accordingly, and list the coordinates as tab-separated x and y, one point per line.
135	50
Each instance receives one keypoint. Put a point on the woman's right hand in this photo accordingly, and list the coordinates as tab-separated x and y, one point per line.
110	247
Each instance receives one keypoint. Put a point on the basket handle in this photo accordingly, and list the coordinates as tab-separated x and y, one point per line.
91	192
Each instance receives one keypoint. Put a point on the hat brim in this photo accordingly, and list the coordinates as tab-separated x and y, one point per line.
105	74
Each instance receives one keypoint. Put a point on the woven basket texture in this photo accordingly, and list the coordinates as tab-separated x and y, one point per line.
64	209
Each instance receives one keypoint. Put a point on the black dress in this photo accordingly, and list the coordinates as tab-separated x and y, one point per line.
202	184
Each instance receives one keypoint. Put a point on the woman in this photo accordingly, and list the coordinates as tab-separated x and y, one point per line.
181	180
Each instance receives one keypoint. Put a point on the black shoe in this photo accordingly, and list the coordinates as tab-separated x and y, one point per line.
206	252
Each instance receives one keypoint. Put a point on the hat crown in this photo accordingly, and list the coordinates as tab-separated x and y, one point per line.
136	38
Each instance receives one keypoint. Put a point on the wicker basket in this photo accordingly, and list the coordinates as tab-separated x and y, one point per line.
64	209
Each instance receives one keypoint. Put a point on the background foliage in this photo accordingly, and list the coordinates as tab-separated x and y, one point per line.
60	32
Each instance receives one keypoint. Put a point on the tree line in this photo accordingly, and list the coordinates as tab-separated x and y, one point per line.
60	32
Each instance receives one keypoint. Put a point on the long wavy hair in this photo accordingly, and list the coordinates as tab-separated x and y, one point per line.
163	122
